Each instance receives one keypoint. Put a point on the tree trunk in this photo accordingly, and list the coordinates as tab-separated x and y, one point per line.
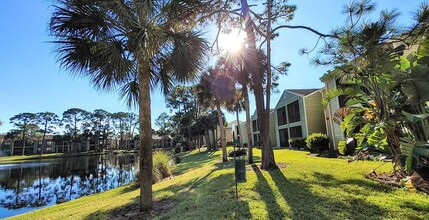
268	161
207	140
43	139
23	139
146	165
394	143
248	124
121	139
222	131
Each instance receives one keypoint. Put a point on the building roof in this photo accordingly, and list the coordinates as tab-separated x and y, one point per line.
303	92
255	114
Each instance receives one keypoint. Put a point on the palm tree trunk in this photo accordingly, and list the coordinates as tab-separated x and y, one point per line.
146	165
222	130
248	124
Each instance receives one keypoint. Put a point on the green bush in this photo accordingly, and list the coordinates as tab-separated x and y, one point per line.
163	162
297	143
347	148
238	153
317	142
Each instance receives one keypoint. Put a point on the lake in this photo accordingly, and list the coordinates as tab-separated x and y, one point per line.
26	187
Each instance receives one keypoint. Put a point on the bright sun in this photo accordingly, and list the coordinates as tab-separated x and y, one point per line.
232	41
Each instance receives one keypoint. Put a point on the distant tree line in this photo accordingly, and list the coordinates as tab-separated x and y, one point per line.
188	123
74	126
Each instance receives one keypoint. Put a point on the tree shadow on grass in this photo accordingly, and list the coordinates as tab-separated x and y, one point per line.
306	204
267	195
195	199
129	188
193	161
350	185
209	198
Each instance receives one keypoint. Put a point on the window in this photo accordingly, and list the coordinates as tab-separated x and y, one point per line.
281	116
295	132
255	125
256	139
283	138
293	112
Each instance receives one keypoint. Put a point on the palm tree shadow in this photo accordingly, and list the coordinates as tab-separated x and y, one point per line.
196	196
305	203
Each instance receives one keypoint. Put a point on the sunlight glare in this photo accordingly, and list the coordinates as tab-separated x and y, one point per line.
232	41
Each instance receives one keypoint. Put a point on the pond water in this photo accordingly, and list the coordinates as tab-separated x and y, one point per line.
28	186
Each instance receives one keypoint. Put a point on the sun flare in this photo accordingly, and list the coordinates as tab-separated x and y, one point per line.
232	41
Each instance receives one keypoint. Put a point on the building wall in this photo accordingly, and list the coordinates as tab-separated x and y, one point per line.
227	132
273	133
272	128
284	101
334	104
242	134
314	113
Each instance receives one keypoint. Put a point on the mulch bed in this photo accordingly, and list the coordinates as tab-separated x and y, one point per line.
132	211
394	179
391	179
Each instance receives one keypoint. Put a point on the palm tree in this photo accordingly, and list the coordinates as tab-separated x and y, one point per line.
236	105
234	64
213	91
131	46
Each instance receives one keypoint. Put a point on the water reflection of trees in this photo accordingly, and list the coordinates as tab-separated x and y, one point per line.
64	180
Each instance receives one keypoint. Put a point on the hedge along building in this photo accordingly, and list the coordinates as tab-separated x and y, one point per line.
256	137
298	113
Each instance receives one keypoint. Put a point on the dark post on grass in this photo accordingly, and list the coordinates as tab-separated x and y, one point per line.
240	168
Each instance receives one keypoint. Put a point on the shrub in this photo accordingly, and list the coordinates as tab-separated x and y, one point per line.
162	165
347	147
329	154
297	143
177	159
238	153
317	142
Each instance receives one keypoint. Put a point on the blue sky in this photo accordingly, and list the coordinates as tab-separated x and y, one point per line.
31	80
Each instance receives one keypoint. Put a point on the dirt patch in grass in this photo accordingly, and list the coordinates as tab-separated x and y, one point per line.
132	211
255	167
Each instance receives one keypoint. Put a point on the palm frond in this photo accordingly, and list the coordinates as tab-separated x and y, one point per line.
129	93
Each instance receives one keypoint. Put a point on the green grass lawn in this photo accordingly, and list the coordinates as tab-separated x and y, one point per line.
308	188
30	158
14	159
